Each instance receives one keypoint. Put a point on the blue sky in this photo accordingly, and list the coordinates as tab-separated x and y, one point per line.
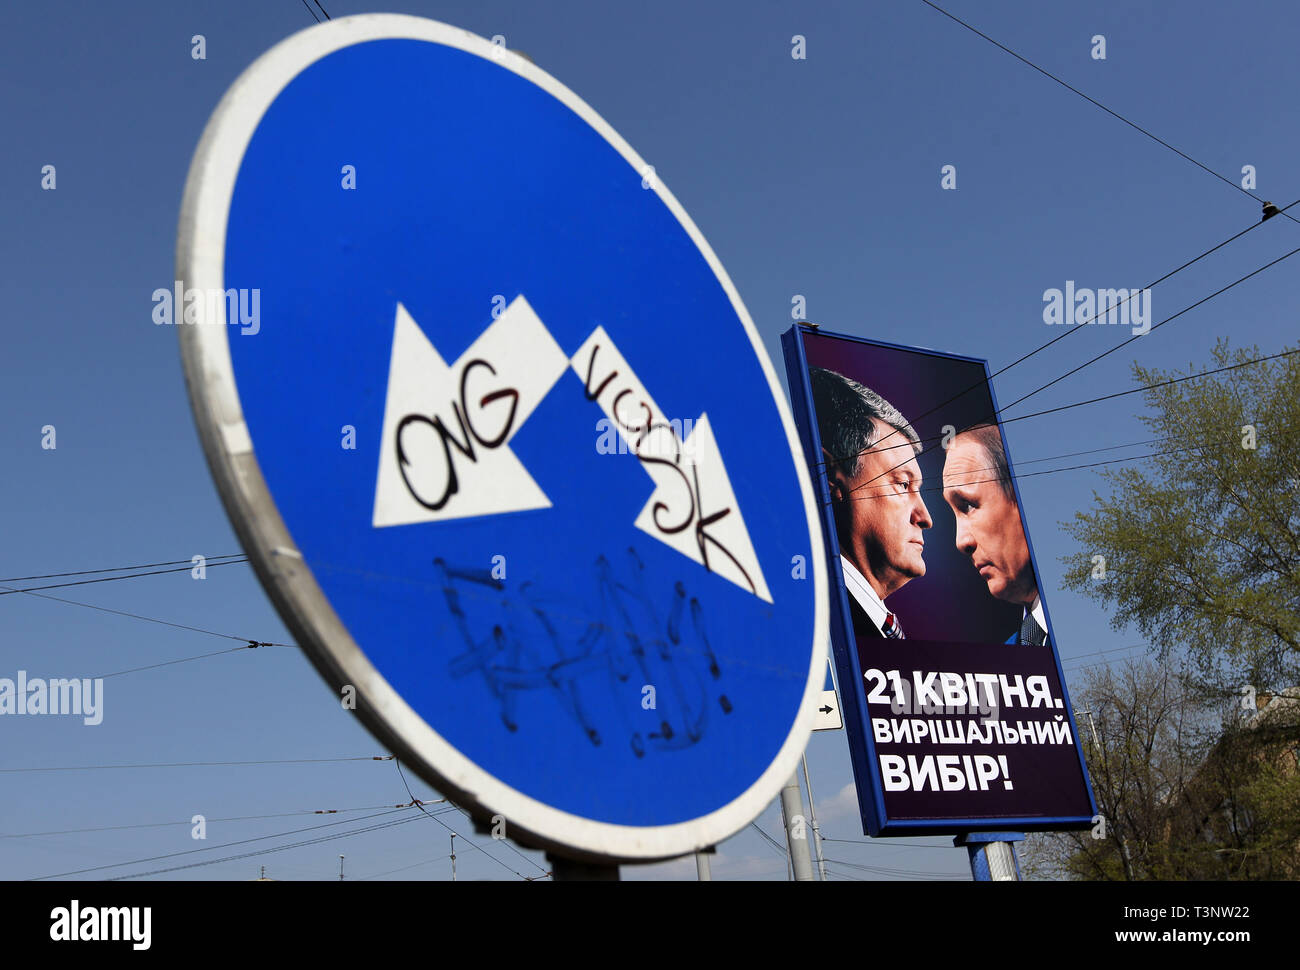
817	177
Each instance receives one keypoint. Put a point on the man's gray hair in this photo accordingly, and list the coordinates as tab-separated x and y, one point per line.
845	413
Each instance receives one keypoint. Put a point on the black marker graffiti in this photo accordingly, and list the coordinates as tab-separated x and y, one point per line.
651	452
469	434
609	651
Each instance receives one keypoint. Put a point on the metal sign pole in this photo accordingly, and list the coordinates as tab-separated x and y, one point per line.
992	855
812	817
795	833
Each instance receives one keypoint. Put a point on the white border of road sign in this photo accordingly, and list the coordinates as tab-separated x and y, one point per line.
200	259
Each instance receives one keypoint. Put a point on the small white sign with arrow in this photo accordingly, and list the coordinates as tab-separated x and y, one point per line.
829	717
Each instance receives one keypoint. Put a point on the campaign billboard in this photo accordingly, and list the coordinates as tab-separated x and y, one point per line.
953	695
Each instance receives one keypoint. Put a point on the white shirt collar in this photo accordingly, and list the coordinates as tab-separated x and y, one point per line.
862	591
1036	608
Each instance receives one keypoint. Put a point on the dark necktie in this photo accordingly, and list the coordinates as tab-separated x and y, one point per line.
1030	632
893	629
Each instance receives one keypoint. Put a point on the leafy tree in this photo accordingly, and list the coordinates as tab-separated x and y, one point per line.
1201	548
1243	803
1135	724
1186	788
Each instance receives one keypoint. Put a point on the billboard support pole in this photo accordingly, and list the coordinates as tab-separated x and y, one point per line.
812	817
992	855
792	810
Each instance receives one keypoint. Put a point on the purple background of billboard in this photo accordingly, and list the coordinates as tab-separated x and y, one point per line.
950	602
1048	779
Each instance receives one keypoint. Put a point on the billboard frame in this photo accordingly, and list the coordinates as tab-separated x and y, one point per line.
844	649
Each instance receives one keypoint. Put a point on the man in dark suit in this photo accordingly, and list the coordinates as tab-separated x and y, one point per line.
977	487
870	453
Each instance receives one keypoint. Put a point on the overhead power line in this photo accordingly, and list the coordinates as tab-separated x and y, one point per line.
509	845
1071	330
1065	407
121	569
9	591
898	873
251	645
997	412
413	865
1114	114
1076	404
893	870
770	841
313	12
213	848
1094	451
1100	653
149	619
886	843
886	489
841	875
233	818
1154	328
420	806
200	764
1102	663
275	848
1151	387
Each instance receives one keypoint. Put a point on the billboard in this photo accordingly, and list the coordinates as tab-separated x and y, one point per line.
952	690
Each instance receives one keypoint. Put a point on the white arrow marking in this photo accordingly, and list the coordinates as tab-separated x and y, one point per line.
444	452
693	508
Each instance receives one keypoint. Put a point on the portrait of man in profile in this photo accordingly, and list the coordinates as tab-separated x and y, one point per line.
870	452
977	488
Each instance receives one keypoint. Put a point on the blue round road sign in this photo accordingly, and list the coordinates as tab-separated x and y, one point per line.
501	440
